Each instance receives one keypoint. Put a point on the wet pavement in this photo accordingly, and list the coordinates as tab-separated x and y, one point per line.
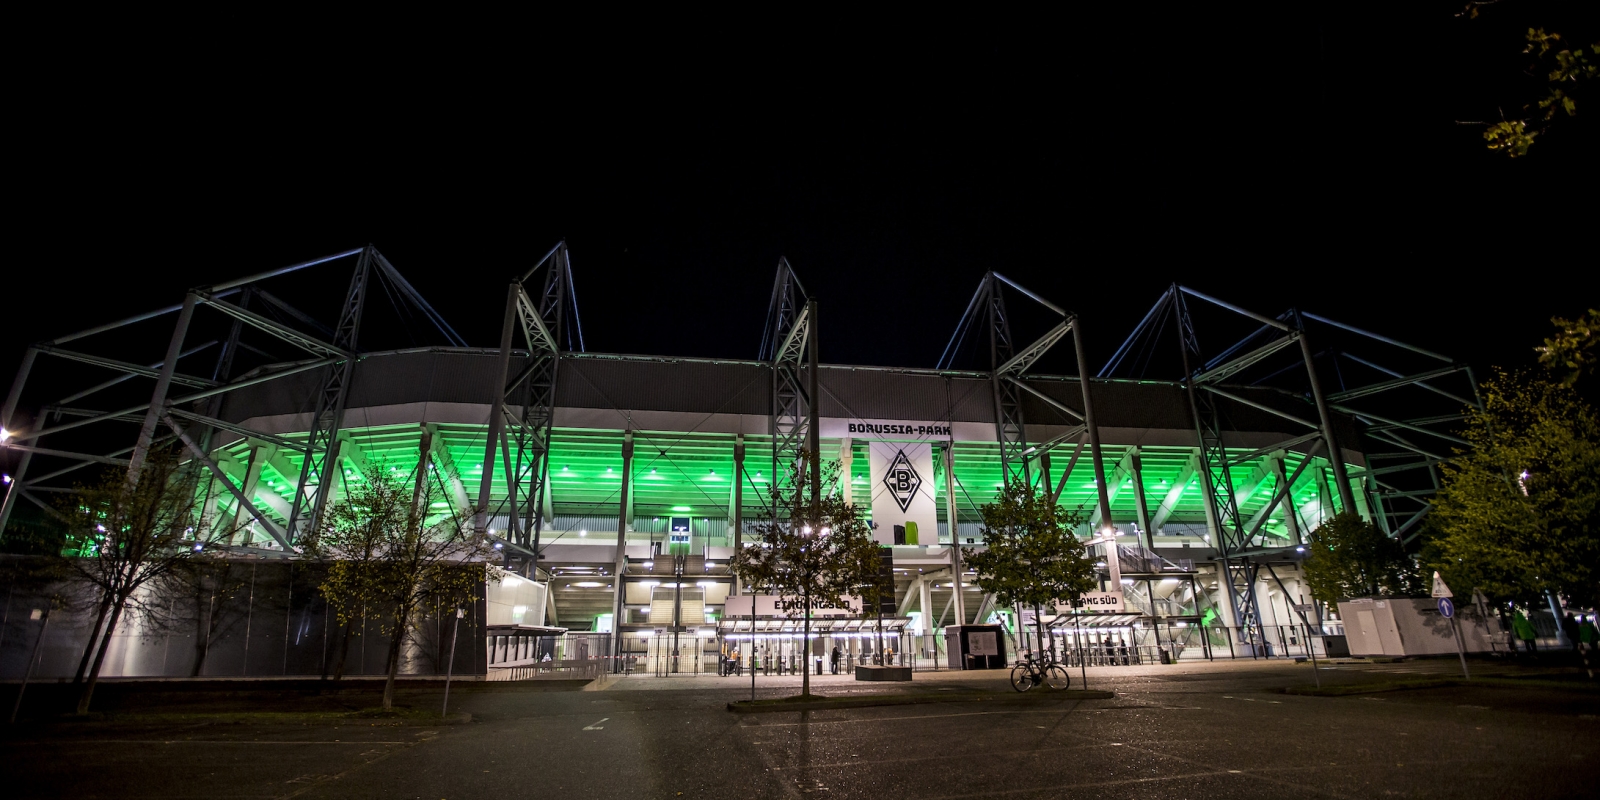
1177	731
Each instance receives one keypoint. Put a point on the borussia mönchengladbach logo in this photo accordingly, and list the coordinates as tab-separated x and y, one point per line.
902	480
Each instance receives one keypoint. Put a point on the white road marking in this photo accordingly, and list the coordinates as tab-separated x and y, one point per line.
596	726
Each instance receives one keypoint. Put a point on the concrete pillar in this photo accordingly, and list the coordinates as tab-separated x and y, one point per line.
620	565
956	578
1144	506
925	602
738	501
846	459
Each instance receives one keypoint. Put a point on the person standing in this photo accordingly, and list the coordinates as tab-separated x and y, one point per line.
836	656
1569	626
1524	631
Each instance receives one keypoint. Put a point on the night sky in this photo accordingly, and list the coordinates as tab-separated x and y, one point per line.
1311	161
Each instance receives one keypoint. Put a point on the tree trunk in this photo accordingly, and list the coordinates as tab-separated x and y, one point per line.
94	671
805	647
401	618
94	638
1038	629
203	625
879	654
344	649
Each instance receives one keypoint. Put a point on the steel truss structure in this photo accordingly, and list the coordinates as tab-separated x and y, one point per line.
1356	378
523	414
1007	366
191	418
1278	353
789	345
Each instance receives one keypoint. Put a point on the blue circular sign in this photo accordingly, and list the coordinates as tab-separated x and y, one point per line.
1447	609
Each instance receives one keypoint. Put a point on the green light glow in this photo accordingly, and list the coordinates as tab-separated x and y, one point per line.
678	472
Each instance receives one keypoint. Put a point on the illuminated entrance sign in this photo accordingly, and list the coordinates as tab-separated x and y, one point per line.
678	536
898	429
766	605
1094	603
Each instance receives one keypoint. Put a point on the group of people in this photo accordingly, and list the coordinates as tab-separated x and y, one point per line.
1581	634
763	660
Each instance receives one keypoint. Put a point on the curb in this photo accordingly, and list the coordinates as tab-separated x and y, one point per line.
1351	690
601	683
771	707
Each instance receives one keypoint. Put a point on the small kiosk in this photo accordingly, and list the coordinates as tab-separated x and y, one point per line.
975	646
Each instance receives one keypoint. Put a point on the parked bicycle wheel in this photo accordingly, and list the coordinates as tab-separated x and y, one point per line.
1057	676
1022	678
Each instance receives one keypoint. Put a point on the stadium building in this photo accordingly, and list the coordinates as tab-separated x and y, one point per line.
617	487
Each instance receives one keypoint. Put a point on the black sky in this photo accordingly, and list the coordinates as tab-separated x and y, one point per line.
1310	161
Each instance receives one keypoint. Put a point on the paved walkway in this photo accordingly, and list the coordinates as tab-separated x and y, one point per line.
1339	670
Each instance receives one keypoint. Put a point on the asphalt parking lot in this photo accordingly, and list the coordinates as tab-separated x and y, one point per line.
1172	732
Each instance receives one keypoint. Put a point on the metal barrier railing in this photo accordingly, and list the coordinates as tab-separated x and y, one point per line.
588	669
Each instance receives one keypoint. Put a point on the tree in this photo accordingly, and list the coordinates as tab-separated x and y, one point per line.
390	555
1571	350
1030	557
1518	513
195	597
121	535
1349	557
1557	74
817	548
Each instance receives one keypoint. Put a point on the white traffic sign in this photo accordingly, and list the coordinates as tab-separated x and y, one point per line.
1439	589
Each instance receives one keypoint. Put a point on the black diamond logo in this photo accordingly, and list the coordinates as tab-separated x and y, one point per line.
902	480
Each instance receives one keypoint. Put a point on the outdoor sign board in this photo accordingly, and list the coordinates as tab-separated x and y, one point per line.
983	643
784	607
1094	603
1439	587
904	509
906	430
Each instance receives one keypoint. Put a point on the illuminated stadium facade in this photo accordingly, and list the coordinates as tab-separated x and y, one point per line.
1210	474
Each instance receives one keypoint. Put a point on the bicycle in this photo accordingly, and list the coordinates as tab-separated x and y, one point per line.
1032	671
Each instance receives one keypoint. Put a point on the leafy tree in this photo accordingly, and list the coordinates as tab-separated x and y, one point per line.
1518	513
195	597
1562	74
1030	556
817	548
390	556
120	536
1571	350
1349	557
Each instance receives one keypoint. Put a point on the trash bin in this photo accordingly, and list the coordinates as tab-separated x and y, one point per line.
1166	657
